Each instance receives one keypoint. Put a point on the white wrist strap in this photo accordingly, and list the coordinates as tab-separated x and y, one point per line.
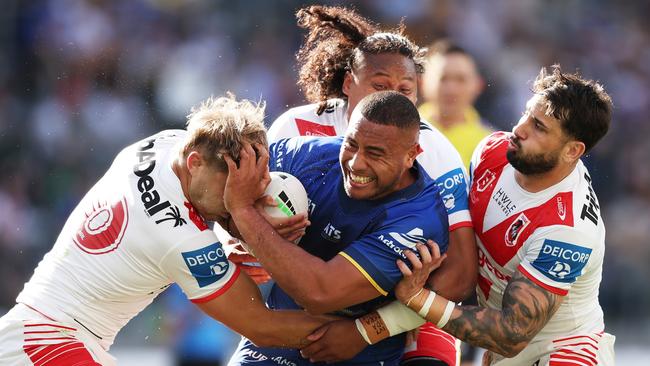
399	318
427	304
362	330
446	314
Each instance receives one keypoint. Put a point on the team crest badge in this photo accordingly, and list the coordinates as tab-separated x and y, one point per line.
103	228
516	227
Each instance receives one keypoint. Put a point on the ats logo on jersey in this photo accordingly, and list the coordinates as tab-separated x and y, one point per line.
307	128
331	233
560	261
103	228
208	265
515	229
453	185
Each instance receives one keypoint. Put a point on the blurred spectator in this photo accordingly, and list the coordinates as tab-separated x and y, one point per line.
450	86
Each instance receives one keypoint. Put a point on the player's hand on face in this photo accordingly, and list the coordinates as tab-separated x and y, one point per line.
415	277
291	228
333	342
246	183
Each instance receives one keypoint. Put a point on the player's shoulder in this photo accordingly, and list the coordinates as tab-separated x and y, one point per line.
430	136
305	120
439	156
490	151
303	150
309	113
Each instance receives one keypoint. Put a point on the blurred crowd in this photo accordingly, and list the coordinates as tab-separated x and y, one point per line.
80	79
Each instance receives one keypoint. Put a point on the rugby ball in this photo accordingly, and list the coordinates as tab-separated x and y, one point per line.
288	193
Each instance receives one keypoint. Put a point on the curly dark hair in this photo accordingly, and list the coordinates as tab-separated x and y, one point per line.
582	106
337	39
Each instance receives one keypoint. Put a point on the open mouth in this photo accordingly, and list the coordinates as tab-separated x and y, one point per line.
359	179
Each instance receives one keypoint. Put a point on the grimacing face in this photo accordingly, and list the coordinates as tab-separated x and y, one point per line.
386	71
206	188
375	159
537	140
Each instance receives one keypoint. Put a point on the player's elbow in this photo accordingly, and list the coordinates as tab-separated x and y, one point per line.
513	350
456	286
465	289
316	303
263	336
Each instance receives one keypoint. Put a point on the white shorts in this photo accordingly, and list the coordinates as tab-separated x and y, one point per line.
576	350
28	337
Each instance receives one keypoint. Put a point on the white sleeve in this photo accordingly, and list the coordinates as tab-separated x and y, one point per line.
556	257
200	267
283	127
443	163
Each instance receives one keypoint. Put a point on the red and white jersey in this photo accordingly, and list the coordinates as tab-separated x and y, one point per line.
439	157
130	237
555	237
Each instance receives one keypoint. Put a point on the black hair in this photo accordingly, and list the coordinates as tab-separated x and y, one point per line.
337	39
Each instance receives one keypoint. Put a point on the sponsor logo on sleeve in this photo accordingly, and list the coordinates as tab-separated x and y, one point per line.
409	239
560	261
208	265
398	241
453	190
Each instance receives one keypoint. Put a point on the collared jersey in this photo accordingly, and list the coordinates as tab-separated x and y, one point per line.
439	158
130	237
371	234
555	237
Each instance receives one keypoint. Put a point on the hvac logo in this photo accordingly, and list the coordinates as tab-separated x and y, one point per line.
208	265
103	229
409	239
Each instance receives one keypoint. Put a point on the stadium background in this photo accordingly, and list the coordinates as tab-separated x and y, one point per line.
81	79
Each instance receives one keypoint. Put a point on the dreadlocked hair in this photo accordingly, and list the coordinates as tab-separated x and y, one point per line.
337	38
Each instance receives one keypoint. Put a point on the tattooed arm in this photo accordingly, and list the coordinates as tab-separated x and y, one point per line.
526	309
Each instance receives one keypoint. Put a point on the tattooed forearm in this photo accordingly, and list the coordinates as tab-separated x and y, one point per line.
526	308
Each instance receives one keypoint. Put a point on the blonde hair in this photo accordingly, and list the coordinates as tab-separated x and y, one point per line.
221	125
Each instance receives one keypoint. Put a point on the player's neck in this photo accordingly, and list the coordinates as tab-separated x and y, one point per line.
534	183
180	170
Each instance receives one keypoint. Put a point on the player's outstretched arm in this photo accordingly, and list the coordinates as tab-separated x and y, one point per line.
241	308
456	277
526	309
315	284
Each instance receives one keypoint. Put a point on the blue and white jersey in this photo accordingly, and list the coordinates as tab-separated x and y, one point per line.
371	234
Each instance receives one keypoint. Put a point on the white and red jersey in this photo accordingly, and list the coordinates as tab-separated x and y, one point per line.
554	237
439	157
130	237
